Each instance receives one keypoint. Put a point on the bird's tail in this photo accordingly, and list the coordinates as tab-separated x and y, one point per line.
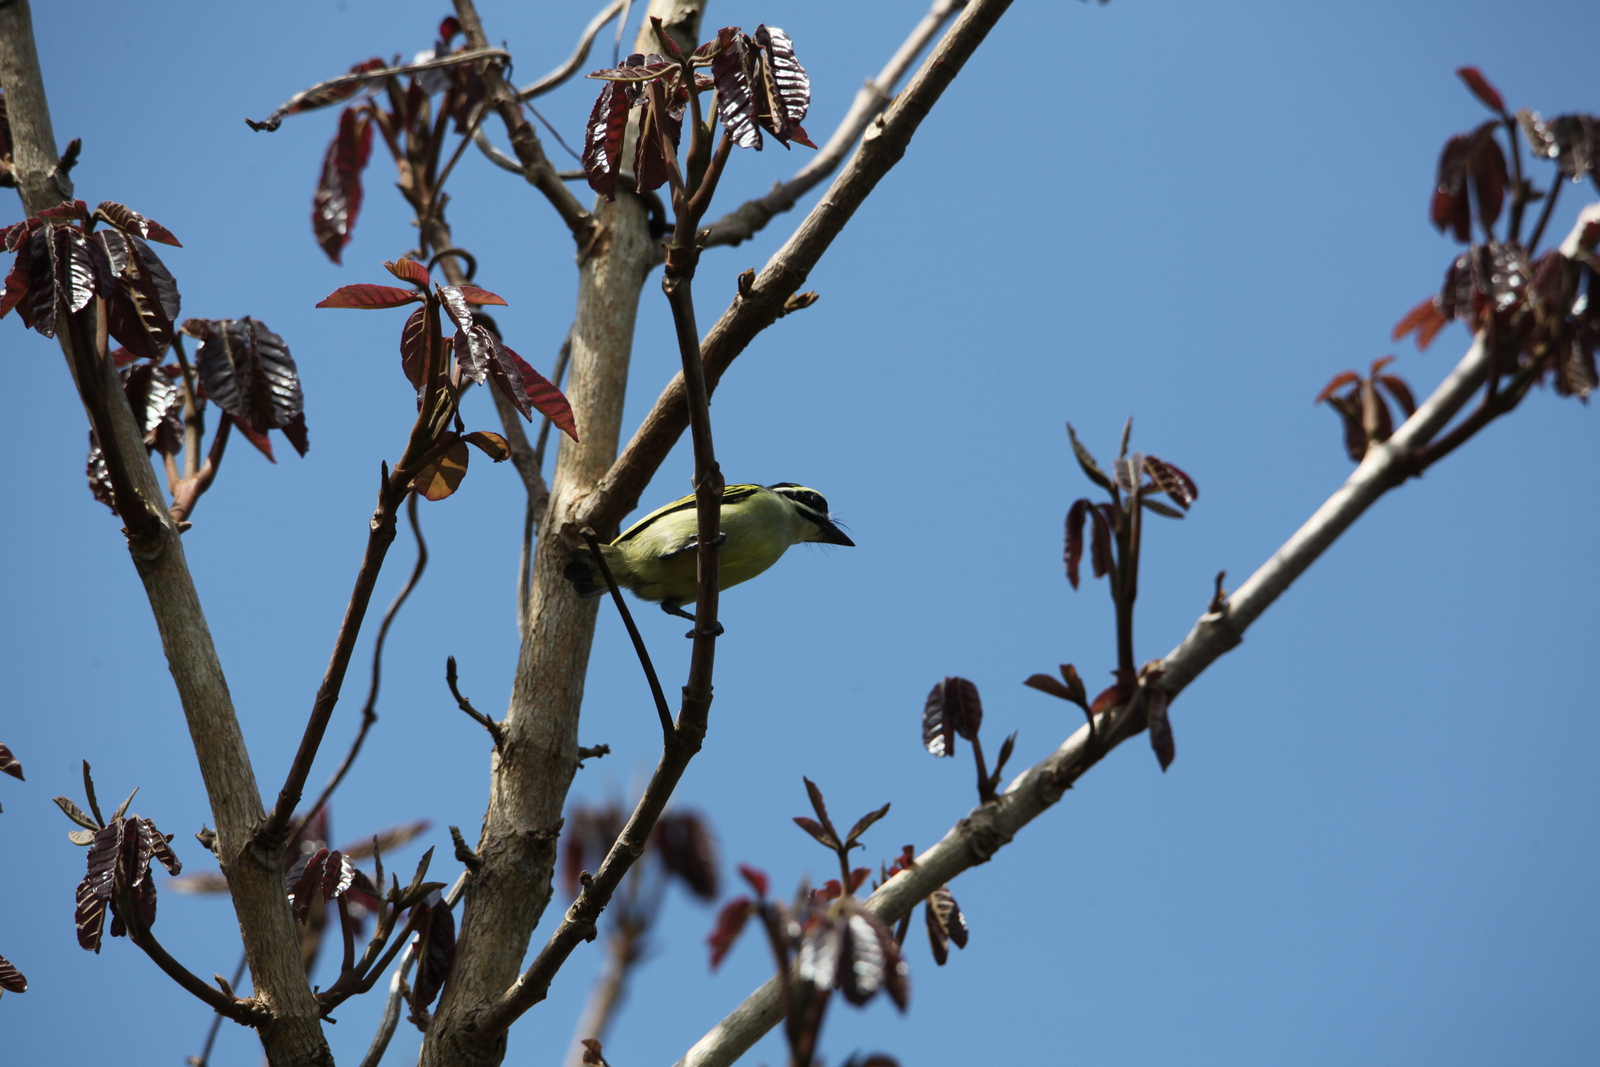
586	579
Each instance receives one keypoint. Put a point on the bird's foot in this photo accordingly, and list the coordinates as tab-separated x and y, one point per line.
715	631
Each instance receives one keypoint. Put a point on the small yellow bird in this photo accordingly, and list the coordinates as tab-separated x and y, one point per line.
655	557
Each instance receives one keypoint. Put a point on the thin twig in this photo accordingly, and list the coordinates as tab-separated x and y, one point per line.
466	705
393	488
579	54
190	490
369	713
633	632
359	78
204	1058
536	167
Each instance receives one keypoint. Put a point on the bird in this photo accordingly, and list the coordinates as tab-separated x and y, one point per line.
656	557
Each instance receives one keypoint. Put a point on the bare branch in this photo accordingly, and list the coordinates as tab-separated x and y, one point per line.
745	221
466	705
356	79
369	712
579	54
536	166
764	299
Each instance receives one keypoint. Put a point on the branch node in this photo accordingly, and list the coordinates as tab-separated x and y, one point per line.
797	302
469	859
592	752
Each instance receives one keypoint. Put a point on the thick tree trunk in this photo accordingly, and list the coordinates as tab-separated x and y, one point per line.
506	897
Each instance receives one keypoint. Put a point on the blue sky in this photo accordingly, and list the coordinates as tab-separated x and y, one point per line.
1378	842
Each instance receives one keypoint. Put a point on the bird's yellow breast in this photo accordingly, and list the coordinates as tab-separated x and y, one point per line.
657	551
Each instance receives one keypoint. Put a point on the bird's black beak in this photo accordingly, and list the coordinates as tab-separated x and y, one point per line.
832	535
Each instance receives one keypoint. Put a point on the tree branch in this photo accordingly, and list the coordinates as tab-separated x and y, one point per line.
255	879
764	299
506	897
355	80
579	54
536	166
989	827
369	712
745	221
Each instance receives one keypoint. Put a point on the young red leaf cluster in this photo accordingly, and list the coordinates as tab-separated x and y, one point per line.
759	84
410	127
247	371
118	879
1363	408
436	368
1537	303
831	941
681	845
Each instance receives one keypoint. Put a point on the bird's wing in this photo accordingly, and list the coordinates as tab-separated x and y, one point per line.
730	495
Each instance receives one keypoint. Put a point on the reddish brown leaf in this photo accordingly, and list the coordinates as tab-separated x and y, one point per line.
409	270
787	88
436	951
863	823
734	71
1073	550
337	202
602	141
1101	540
144	306
11	979
756	877
67	211
1173	481
304	879
1401	392
544	397
369	296
1046	684
9	764
443	476
944	715
870	959
684	844
333	95
730	924
1349	377
945	923
490	444
248	371
1426	319
818	831
130	221
473	295
1487	94
421	343
95	890
1111	696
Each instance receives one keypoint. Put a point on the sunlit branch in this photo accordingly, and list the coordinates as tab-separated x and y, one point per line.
357	79
745	221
